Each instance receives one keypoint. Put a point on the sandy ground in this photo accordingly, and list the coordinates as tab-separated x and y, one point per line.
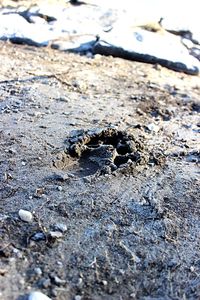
129	233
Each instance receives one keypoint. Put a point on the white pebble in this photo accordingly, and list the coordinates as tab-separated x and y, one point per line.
153	127
25	215
60	227
56	234
37	296
38	271
77	297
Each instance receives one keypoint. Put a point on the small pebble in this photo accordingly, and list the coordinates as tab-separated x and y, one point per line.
38	236
34	114
61	177
87	179
80	281
12	151
55	234
153	127
25	215
98	56
59	263
89	55
45	283
71	175
63	99
192	269
105	282
77	297
37	296
17	253
54	293
60	227
3	272
59	188
58	281
38	271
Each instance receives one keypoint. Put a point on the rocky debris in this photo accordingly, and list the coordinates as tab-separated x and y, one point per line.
37	296
55	233
108	30
25	215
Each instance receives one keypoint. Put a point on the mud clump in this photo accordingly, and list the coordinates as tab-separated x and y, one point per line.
105	150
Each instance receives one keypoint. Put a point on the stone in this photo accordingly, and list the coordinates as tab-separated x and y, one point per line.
60	176
59	188
38	271
60	227
25	215
153	127
37	296
38	236
45	283
55	234
150	47
77	297
58	281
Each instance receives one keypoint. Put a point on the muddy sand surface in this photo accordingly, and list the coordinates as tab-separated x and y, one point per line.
104	153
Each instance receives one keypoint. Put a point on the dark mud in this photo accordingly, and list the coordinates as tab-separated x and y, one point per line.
109	149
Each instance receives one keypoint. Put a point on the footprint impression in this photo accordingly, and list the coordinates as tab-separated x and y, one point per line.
100	150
